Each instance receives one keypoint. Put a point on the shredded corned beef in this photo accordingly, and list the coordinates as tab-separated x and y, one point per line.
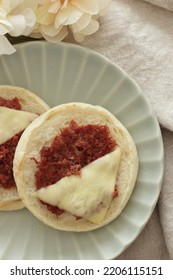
74	148
11	103
7	149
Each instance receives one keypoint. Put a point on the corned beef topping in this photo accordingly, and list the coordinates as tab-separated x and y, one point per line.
74	148
7	149
54	209
11	103
115	193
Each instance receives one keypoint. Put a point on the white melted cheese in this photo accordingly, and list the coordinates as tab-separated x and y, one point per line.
89	194
12	122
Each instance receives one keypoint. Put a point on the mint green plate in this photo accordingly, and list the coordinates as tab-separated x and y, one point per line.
63	73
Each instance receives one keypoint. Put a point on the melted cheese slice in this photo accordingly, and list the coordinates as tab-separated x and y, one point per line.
12	122
89	194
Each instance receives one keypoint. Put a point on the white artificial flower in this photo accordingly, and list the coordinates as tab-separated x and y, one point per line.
17	18
56	17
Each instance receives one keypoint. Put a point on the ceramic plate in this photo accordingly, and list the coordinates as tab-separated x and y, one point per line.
63	73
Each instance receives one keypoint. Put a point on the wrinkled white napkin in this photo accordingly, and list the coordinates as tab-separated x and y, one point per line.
138	36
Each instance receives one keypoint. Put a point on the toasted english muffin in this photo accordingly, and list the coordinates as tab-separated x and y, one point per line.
95	184
31	106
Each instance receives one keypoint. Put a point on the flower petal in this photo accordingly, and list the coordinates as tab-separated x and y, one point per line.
59	37
3	30
81	23
19	24
43	2
36	31
50	30
79	37
31	4
104	9
62	16
12	4
91	28
3	13
35	35
103	4
7	5
5	46
74	15
30	19
5	26
54	7
43	16
87	6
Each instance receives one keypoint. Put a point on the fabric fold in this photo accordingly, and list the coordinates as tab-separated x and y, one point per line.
166	196
167	4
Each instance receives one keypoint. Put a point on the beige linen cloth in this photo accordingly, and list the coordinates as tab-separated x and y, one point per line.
138	36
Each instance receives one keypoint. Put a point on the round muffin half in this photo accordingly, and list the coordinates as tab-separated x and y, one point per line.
75	167
18	108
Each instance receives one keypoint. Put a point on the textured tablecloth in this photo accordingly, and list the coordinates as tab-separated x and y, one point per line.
138	36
